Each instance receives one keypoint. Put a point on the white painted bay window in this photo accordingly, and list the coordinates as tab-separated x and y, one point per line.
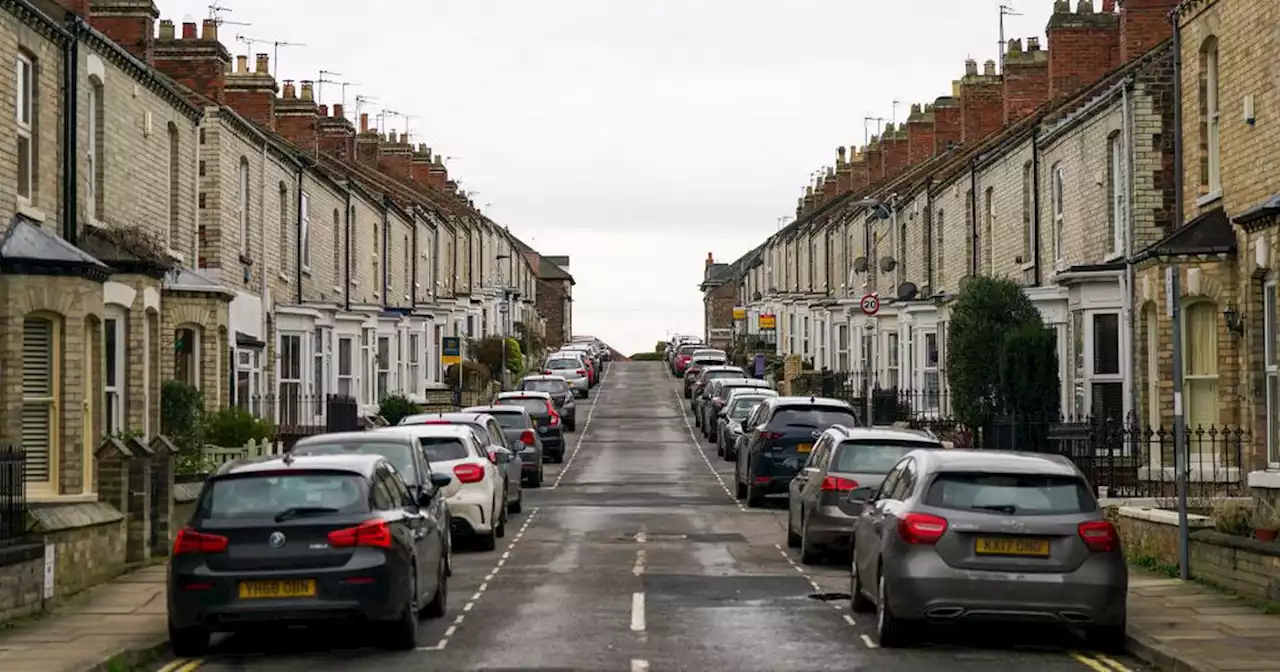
290	397
346	367
842	347
1271	336
1106	382
415	363
1200	355
113	353
930	356
384	368
891	360
249	380
319	370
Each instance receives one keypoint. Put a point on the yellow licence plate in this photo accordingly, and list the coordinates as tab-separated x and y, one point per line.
1038	548
804	447
253	590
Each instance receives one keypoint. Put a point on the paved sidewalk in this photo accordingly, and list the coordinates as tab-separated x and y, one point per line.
120	621
1184	626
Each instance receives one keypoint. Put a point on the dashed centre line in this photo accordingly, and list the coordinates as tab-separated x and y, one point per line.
637	612
484	586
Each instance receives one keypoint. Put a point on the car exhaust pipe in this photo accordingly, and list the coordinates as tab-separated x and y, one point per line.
1075	617
945	613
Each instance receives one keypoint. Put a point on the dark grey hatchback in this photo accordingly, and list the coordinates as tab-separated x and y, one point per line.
283	540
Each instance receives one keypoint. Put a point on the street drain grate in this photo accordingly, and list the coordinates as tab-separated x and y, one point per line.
829	597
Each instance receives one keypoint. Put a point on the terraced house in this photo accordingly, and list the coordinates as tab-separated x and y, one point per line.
1055	169
171	215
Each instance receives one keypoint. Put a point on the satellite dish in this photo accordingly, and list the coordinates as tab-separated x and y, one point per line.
887	264
756	296
907	291
860	265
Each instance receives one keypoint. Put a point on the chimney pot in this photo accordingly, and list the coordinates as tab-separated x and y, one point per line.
970	67
915	108
307	91
1015	46
989	68
1062	6
1084	7
710	259
338	111
364	122
242	64
289	92
209	32
189	30
391	137
166	29
1033	44
263	65
324	110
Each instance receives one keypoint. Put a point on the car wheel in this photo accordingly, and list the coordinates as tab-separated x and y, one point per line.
1107	638
809	554
755	500
488	541
403	634
740	491
719	449
535	481
571	426
439	603
793	539
857	598
191	642
500	530
891	633
518	505
586	394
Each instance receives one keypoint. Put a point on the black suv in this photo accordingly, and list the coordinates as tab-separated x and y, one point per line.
779	436
546	419
561	396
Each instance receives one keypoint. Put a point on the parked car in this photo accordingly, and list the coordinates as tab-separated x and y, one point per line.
684	355
588	363
706	374
294	539
738	409
403	452
965	535
545	419
494	440
820	516
518	425
478	510
593	358
561	397
711	401
571	366
779	435
694	370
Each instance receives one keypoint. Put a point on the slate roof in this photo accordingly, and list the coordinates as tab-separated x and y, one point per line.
28	248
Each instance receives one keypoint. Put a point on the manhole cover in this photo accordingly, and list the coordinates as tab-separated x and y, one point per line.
723	591
829	597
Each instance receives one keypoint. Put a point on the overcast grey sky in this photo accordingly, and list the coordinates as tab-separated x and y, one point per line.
634	136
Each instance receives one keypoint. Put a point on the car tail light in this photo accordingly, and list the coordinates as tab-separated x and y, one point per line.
921	528
580	372
190	541
437	422
1099	535
493	456
769	436
369	533
837	484
469	473
555	417
547	372
526	437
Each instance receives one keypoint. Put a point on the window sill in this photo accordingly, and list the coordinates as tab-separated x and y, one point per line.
284	277
31	212
180	257
306	271
1209	198
48	497
1269	479
1030	266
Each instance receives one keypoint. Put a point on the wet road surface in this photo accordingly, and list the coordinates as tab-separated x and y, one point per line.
635	556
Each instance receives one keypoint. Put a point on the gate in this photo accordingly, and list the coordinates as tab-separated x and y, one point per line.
158	494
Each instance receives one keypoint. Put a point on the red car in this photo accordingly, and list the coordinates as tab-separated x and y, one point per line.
683	355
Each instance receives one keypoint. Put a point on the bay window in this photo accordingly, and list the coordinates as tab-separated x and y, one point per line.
113	353
346	368
1106	382
384	368
290	378
1272	354
1200	355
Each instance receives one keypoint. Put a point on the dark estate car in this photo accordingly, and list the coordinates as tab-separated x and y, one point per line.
519	427
706	374
561	396
738	408
778	437
545	419
713	398
300	539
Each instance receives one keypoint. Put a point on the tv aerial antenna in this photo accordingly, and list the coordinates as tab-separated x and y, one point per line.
216	11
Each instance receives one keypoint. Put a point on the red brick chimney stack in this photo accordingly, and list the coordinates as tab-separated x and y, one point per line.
252	93
1026	79
420	164
197	61
844	173
920	134
1143	25
860	175
896	150
336	134
875	161
710	260
981	102
297	116
1083	46
438	175
946	120
129	23
395	157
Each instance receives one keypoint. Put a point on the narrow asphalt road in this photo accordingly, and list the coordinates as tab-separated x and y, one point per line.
635	556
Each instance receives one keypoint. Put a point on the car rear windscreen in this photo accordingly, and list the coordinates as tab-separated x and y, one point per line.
561	364
552	386
709	361
688	349
742	408
398	454
443	448
1012	494
267	494
511	420
813	416
534	406
873	457
727	373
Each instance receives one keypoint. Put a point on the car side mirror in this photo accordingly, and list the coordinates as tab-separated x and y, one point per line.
860	495
425	495
440	481
499	455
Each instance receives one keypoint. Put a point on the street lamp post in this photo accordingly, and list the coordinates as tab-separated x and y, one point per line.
504	309
881	209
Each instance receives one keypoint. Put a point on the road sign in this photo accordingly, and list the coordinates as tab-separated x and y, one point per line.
450	350
870	304
768	321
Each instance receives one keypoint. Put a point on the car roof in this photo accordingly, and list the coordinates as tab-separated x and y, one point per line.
335	437
809	401
495	410
456	416
742	382
883	434
999	461
543	377
362	464
524	394
417	431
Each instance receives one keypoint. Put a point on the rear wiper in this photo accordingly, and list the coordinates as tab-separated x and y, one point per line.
1002	508
801	424
300	511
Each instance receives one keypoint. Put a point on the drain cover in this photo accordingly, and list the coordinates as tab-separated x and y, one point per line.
829	597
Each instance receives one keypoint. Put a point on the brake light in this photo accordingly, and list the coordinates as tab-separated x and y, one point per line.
437	422
1100	536
373	533
580	372
921	528
768	436
190	541
837	484
547	372
526	437
555	417
493	457
469	473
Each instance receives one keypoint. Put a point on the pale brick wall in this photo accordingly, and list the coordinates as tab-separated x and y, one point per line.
446	266
16	37
424	275
366	234
400	259
951	232
1082	154
322	281
1005	249
136	189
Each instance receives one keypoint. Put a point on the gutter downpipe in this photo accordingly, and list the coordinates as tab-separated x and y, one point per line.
1179	420
346	262
1035	205
71	130
975	241
298	199
262	225
1129	275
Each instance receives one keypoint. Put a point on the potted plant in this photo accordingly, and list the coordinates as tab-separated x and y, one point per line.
1266	521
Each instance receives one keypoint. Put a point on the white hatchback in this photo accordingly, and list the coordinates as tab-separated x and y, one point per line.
475	510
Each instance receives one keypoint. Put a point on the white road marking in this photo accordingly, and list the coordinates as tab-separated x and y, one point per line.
459	619
866	639
578	446
639	665
452	629
638	569
698	445
849	619
467	606
637	612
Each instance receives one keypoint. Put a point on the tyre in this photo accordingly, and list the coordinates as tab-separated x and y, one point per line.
571	425
1106	638
857	599
191	642
755	499
500	530
740	491
586	394
535	481
891	632
439	603
403	633
518	505
809	554
793	539
719	449
488	541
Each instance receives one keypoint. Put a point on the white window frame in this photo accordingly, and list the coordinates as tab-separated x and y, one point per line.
415	361
44	402
930	372
249	365
338	239
408	267
290	386
1271	336
804	336
1188	377
1213	120
283	232
113	411
305	231
842	347
382	371
242	205
196	346
1090	361
346	381
1119	192
319	370
1028	219
1059	216
366	366
25	92
378	278
986	260
892	359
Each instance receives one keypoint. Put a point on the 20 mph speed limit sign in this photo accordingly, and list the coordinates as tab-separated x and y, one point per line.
870	304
